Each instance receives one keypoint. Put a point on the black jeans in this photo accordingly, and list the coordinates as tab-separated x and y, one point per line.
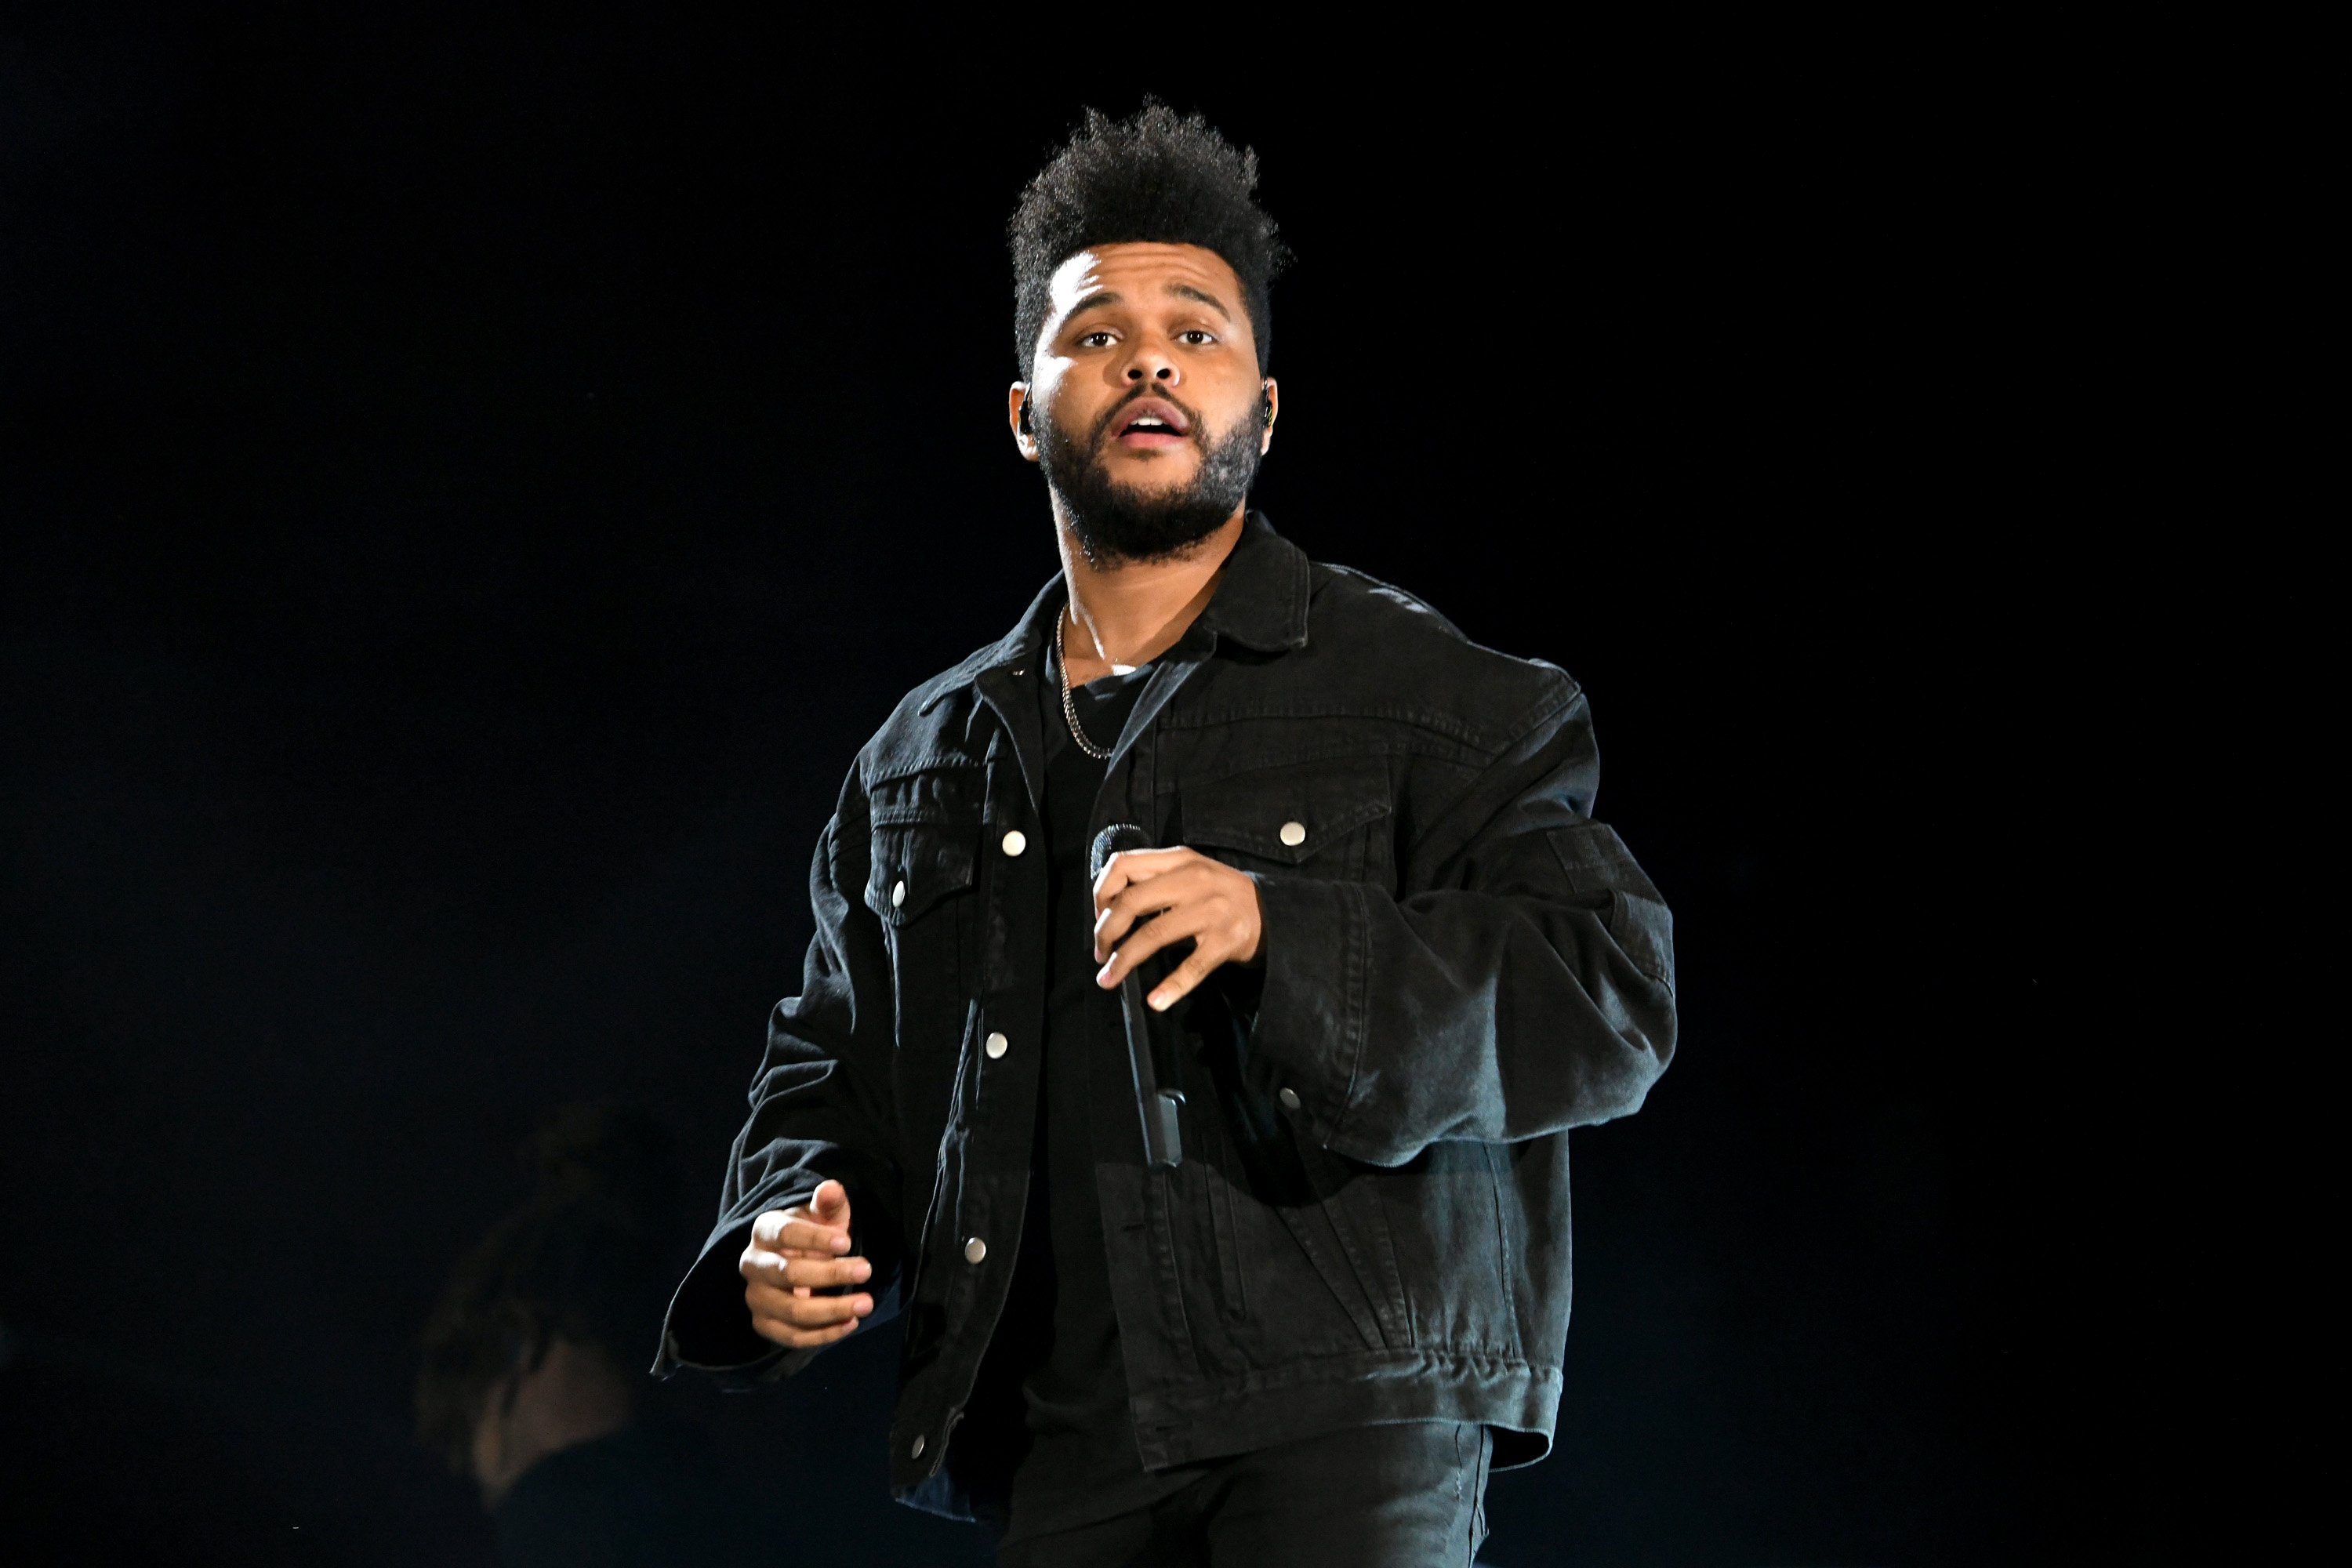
1408	1495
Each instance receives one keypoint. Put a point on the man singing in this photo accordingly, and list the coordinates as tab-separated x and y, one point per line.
1388	958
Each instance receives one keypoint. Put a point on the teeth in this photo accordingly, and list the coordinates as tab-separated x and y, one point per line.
1152	422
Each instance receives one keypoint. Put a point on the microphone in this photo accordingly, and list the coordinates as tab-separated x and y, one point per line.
1163	1145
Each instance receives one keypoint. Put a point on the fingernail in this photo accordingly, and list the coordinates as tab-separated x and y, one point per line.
1160	1002
1102	977
865	1271
865	1305
841	1244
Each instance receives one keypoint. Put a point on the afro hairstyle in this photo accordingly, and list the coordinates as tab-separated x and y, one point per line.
1156	176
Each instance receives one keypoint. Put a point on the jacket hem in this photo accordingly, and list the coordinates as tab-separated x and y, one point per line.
1217	1418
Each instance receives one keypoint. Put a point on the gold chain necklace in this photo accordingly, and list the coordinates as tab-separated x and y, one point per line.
1069	704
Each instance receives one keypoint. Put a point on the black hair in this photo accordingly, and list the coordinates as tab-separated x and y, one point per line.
1155	176
586	1258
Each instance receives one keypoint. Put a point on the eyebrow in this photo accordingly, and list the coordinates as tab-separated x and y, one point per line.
1210	301
1183	290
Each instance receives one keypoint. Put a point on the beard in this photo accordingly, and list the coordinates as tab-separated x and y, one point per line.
1114	522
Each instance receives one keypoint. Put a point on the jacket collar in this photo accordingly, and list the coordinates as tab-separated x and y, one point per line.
1260	602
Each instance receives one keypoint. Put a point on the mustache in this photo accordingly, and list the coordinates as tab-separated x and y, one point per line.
1193	424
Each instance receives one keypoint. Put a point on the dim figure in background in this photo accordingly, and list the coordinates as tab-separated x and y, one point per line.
1385	958
534	1382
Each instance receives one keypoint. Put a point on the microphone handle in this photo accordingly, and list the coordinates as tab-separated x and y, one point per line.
1163	1144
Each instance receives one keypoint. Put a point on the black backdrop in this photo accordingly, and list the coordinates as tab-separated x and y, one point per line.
472	486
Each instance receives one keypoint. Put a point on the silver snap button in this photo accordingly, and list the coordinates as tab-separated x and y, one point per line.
1016	842
898	893
1294	834
915	1451
1289	1098
974	1250
997	1045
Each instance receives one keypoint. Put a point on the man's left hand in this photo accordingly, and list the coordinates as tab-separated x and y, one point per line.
1175	893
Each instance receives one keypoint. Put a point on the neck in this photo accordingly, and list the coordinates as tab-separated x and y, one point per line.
1130	612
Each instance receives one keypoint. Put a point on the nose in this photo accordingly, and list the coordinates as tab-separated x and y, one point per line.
1152	363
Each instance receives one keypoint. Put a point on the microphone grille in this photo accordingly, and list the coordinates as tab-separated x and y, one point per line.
1116	839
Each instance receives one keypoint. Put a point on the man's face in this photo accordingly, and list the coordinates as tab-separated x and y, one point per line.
1145	402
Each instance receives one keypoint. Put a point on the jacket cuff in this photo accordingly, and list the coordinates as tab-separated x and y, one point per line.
1308	1037
708	1326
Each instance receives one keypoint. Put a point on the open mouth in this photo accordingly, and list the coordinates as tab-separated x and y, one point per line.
1150	422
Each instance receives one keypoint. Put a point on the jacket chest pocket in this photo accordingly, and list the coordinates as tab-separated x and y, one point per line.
925	853
1329	821
919	866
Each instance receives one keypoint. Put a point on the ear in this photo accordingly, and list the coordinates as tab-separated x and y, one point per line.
1269	405
1016	414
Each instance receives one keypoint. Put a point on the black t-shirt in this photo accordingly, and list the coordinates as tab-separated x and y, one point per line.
1049	1441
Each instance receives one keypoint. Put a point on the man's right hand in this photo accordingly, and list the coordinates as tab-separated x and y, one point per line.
794	1254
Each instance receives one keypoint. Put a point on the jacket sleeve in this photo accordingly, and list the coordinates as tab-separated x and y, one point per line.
820	1109
1520	984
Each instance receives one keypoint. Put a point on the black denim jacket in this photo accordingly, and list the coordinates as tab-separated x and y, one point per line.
1372	1219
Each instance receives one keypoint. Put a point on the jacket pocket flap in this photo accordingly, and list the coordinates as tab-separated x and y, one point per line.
917	864
1287	815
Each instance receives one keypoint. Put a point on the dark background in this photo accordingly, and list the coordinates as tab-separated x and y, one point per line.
470	486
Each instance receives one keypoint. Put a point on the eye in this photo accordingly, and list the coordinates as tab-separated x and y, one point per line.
1199	336
1097	339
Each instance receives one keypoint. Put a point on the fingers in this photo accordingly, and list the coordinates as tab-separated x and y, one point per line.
830	1204
1131	866
1218	942
1183	977
801	1322
804	1308
799	1236
1118	913
801	1272
793	1254
803	1339
1201	898
1181	893
1174	926
798	1230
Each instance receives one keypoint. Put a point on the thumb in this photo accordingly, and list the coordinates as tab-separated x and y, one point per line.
831	1204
